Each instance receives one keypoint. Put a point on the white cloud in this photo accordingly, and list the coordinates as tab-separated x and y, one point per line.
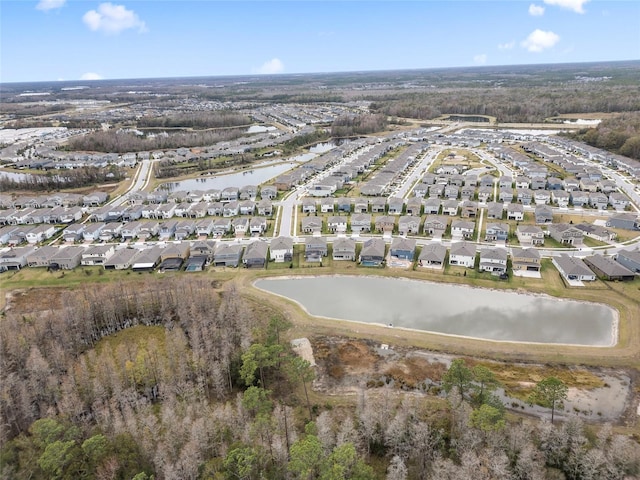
480	59
270	67
536	10
112	19
47	5
91	76
507	46
575	5
539	40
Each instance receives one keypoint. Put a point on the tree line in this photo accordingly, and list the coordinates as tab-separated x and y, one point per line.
62	179
120	141
350	125
510	104
197	120
619	134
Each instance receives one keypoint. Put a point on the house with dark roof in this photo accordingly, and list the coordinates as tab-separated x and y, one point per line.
462	254
403	248
315	248
607	268
629	259
373	252
525	259
255	255
344	248
432	256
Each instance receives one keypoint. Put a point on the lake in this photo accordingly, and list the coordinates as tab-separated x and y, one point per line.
450	309
253	176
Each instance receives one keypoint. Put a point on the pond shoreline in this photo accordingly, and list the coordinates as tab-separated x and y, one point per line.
614	324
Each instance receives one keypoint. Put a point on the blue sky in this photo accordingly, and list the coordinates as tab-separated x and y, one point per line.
45	40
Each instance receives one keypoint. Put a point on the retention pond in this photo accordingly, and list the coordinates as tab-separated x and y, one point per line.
450	309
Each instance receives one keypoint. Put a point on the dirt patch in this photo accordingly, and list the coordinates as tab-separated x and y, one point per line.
346	366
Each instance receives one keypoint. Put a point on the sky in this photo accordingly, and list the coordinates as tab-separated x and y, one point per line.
49	40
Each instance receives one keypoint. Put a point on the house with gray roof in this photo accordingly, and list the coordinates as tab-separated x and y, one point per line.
311	225
607	268
408	225
530	235
67	258
432	206
493	260
462	229
432	256
148	259
496	232
565	233
573	268
315	248
525	259
629	259
227	254
462	254
403	248
121	259
373	252
255	255
16	258
97	254
543	214
344	248
626	221
515	211
281	249
360	222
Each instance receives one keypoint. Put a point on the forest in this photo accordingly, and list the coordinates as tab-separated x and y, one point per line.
63	179
192	379
620	134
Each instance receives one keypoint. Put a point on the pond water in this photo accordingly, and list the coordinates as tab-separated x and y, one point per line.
253	176
450	309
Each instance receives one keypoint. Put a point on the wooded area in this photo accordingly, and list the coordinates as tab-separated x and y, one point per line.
189	380
620	134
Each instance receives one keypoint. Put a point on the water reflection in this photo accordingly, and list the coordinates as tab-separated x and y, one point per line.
450	309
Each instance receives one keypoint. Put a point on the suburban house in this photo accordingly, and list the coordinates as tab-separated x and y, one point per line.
495	210
608	269
309	205
315	248
462	254
41	256
565	233
414	206
403	248
268	192
579	198
147	260
176	250
92	231
337	224
462	229
408	225
542	197
525	259
469	209
598	200
257	226
432	206
121	259
618	200
573	268
515	211
344	249
281	249
450	207
432	256
265	208
543	214
561	198
506	195
497	232
222	226
395	206
596	231
204	249
231	209
360	205
15	259
67	258
626	221
327	205
240	226
255	255
436	225
311	224
525	196
204	227
529	235
629	259
493	260
360	222
373	252
227	254
485	194
385	223
378	205
247	207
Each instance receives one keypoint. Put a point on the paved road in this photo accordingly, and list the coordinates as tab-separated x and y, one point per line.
140	181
